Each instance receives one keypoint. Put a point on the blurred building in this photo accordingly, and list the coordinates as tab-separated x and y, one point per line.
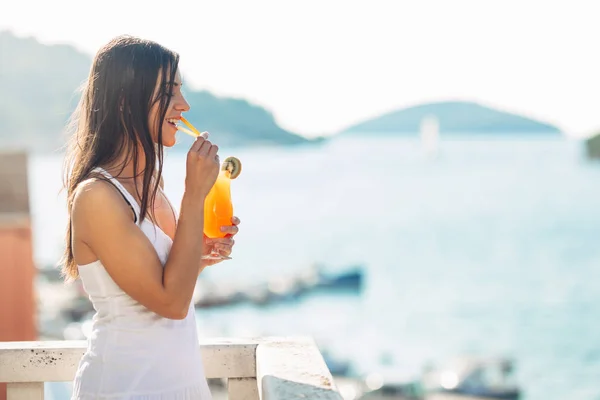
17	271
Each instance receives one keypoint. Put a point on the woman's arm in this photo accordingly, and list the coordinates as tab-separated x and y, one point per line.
103	222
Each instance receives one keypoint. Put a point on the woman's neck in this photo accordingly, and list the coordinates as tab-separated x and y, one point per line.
123	169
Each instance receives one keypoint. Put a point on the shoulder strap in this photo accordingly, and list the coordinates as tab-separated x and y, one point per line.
121	189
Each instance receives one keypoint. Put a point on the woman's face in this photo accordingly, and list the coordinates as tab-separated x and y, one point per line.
176	106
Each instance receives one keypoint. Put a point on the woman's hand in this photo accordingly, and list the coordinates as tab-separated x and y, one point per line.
202	168
223	246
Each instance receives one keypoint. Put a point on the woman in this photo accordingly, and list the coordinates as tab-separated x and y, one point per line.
138	260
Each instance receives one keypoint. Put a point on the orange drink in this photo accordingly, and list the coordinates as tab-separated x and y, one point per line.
218	208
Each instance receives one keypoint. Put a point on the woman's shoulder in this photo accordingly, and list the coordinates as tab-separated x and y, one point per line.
95	196
91	189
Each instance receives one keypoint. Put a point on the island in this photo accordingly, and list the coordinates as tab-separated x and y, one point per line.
461	117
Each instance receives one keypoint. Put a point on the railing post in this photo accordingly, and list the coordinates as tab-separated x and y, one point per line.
242	389
25	391
293	369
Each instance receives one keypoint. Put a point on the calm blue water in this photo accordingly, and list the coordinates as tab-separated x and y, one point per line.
491	248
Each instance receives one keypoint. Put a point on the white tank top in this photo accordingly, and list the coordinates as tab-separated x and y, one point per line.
134	353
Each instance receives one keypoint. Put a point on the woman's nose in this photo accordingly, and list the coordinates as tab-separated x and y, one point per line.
182	105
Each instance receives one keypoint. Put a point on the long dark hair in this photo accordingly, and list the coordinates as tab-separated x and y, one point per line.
111	121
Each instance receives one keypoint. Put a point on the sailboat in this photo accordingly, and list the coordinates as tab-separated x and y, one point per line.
430	135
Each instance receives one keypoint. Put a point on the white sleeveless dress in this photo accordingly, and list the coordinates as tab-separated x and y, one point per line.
133	353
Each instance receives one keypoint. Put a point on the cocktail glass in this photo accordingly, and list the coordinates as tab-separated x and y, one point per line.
218	207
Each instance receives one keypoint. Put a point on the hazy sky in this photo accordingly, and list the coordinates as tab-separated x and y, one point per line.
322	65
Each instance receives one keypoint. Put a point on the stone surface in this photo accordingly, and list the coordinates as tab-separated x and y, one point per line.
293	369
265	368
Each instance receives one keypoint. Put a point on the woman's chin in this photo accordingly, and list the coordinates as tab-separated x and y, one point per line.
169	135
169	139
170	142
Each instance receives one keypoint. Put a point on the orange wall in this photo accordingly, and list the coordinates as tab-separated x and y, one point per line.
17	274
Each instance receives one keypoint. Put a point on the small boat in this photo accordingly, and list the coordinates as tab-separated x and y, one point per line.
393	383
491	378
350	278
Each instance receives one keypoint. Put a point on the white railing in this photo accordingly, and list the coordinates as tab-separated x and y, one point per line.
265	368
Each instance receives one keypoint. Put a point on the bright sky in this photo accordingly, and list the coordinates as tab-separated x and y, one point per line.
322	65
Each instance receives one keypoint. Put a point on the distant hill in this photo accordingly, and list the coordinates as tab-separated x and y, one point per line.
453	117
39	91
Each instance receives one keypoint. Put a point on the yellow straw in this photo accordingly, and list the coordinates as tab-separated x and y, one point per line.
185	130
189	125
